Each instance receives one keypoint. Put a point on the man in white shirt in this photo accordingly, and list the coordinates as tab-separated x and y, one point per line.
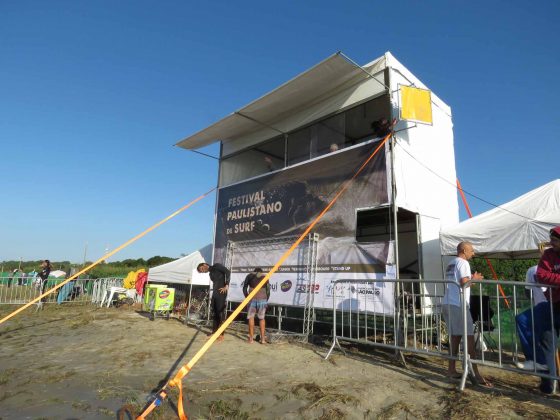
459	272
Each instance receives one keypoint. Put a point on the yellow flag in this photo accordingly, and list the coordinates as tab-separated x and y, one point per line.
416	104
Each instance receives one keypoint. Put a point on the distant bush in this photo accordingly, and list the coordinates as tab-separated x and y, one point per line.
111	269
513	270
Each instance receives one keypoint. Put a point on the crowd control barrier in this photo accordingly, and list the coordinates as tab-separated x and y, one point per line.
412	324
513	327
415	324
79	291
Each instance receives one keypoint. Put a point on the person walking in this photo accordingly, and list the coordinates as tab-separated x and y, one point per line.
219	275
257	305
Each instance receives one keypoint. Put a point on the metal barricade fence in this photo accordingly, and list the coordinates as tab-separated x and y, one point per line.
79	291
506	323
13	293
516	334
413	325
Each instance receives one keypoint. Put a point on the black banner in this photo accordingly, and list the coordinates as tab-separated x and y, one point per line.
284	203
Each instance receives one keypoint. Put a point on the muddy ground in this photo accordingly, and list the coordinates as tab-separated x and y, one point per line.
87	363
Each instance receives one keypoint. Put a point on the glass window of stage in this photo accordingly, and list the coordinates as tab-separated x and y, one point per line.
358	123
260	159
318	139
328	135
337	132
331	134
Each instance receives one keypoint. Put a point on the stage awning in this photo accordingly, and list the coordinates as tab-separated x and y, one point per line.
325	88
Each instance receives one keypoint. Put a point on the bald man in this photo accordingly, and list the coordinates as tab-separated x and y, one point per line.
459	272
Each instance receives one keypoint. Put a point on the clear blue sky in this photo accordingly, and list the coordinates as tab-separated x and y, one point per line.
93	95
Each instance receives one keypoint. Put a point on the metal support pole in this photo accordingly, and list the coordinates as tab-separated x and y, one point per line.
311	269
398	291
187	315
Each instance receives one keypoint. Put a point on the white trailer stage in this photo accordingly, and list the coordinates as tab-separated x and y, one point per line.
283	156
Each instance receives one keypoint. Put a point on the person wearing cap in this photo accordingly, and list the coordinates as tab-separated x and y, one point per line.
257	305
548	272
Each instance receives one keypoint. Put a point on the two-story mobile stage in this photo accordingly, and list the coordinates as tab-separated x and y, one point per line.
282	158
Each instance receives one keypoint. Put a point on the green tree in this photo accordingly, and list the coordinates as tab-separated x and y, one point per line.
157	260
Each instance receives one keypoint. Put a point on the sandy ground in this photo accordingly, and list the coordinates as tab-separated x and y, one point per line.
86	363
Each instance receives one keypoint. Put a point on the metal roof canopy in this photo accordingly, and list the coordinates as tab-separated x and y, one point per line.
308	88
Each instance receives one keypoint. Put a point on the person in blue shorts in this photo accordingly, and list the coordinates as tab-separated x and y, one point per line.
257	305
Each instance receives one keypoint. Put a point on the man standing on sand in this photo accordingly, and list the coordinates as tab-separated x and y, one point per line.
548	272
258	304
46	269
13	275
459	272
220	279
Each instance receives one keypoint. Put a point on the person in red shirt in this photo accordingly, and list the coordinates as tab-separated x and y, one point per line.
548	272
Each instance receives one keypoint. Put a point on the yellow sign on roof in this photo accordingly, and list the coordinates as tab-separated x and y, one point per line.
416	104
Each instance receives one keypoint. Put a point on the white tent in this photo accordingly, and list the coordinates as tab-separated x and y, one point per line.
57	273
183	270
513	230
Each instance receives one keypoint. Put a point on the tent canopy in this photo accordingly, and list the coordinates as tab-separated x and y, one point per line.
513	230
183	270
57	273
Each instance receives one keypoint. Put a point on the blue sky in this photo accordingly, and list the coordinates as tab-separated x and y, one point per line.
93	95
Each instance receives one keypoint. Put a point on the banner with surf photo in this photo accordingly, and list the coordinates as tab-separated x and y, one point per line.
282	204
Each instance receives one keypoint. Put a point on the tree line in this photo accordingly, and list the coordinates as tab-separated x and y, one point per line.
109	269
505	269
513	270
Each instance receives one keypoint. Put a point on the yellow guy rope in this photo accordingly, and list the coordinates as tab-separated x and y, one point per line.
104	257
177	380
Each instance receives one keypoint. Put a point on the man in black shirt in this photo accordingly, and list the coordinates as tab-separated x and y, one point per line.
46	268
220	278
382	127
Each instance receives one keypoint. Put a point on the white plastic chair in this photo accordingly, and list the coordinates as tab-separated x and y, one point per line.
111	293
